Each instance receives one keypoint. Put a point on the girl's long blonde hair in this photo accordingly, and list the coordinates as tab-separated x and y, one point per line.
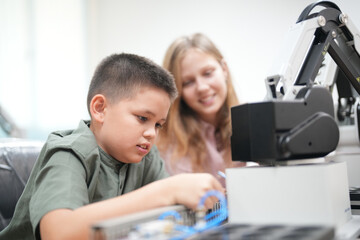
182	132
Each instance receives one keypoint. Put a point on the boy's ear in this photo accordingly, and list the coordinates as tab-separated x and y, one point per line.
97	107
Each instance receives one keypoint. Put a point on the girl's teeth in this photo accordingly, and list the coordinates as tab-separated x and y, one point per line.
206	99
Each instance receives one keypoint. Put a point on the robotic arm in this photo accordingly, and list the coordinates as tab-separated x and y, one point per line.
306	46
297	121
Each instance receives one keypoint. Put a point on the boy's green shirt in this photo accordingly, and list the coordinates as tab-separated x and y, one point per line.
72	171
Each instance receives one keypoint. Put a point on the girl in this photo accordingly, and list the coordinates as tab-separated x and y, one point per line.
196	137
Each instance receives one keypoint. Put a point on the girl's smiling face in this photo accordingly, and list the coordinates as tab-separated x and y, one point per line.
203	84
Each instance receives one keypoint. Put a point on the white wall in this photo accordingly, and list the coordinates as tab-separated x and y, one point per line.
249	33
43	59
49	49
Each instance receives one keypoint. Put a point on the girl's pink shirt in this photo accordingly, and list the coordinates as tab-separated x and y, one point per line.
214	163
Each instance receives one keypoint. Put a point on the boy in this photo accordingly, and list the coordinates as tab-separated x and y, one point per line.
107	167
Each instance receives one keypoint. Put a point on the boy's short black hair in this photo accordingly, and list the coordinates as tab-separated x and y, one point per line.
119	75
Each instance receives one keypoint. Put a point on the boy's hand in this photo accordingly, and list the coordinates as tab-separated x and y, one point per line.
188	188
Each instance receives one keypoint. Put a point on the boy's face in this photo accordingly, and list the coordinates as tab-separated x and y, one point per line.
130	126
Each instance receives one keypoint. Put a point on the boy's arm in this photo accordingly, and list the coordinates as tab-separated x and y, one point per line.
186	189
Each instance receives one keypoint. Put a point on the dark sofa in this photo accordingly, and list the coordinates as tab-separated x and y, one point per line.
17	157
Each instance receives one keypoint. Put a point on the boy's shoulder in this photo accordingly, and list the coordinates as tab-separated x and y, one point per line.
80	140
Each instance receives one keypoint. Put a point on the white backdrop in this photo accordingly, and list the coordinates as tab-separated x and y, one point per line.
249	33
49	49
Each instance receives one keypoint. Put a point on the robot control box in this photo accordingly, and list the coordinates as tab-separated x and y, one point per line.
315	194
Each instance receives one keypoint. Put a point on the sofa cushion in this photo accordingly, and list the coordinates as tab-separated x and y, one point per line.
17	157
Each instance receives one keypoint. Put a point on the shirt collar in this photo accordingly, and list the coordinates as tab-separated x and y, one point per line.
105	157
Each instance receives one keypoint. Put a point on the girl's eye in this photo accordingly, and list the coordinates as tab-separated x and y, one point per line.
142	119
188	83
158	125
208	73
